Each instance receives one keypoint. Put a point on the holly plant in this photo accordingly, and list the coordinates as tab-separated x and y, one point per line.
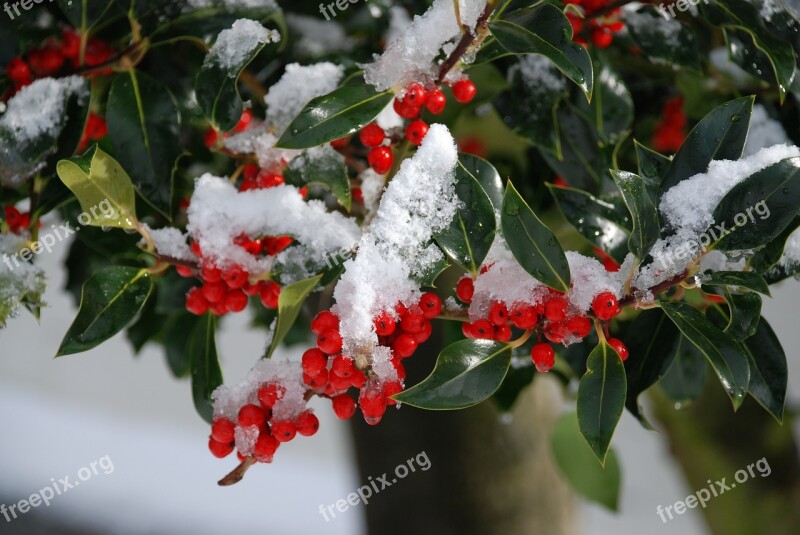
602	191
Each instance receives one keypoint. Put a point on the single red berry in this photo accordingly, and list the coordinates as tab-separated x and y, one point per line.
220	450
358	379
276	245
576	22
250	415
579	326
436	101
340	143
18	71
390	389
283	431
605	306
404	345
323	321
46	60
498	313
405	109
424	333
270	294
244	121
218	309
343	366
416	95
269	394
430	304
330	341
96	127
210	138
266	179
483	328
466	329
372	135
399	368
338	384
251	289
13	217
265	447
196	303
235	301
615	26
235	277
412	322
543	357
70	45
602	38
502	333
222	430
464	91
184	271
214	292
211	274
314	362
380	159
555	308
524	316
373	404
344	407
619	347
465	289
318	381
556	331
385	324
416	131
307	424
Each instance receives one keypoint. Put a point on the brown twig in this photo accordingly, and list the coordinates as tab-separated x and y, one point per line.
467	39
237	473
657	289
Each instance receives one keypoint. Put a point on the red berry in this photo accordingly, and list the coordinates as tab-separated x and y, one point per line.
222	430
96	127
436	102
244	121
265	447
46	61
619	347
184	271
502	333
330	341
416	95
390	389
18	71
218	449
579	326
576	22
270	294
338	384
268	180
283	431
211	274
498	313
343	366
210	138
323	321
340	143
372	135
358	379
399	368
464	91
235	301
218	309
602	38
465	289
318	381
430	304
235	277
269	394
556	331
196	303
605	306
373	404
543	357
483	328
70	45
412	322
405	109
344	407
307	424
424	333
250	415
416	131
214	292
555	308
385	324
524	316
466	329
13	217
380	159
314	362
404	345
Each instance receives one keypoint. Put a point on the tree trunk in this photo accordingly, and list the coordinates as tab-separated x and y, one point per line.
487	474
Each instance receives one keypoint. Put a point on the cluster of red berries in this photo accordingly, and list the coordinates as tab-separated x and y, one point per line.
95	130
50	59
225	290
601	28
271	432
16	221
670	132
409	106
553	319
212	137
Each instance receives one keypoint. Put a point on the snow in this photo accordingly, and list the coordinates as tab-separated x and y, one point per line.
234	46
764	131
171	242
315	37
411	55
298	85
398	23
791	252
667	30
218	213
538	73
16	281
419	201
260	141
372	185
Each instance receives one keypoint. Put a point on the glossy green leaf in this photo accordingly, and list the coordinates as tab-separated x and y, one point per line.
111	300
737	279
652	166
603	221
768	370
338	114
428	277
720	135
215	16
103	188
760	207
545	30
143	121
611	109
176	343
686	378
648	29
601	398
766	257
290	303
745	312
487	176
652	340
600	484
324	166
470	235
466	373
204	364
533	244
646	224
721	350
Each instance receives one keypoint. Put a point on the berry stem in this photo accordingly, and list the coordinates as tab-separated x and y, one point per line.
237	473
521	340
465	42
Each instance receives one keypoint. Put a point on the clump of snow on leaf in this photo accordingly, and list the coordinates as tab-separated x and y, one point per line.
791	252
419	201
234	46
538	73
298	85
411	55
17	282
